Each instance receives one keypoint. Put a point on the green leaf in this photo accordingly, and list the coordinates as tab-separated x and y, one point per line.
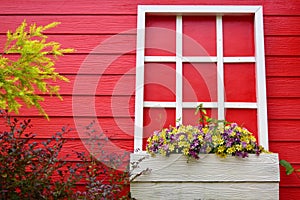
289	169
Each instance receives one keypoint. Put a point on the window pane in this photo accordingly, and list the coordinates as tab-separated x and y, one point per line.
160	36
240	82
199	82
238	34
160	82
199	35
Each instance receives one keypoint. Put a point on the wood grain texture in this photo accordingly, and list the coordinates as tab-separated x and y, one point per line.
287	46
287	150
87	106
104	84
96	147
283	108
86	64
113	127
283	66
290	193
174	178
283	130
283	87
101	24
199	191
85	44
282	25
93	64
209	168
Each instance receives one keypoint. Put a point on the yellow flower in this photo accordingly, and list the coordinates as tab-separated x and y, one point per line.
171	147
221	149
238	147
252	138
249	147
230	150
181	137
185	151
200	137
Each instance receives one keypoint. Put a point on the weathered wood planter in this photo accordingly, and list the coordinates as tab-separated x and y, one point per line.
210	177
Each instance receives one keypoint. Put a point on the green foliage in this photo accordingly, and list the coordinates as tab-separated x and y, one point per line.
289	169
35	169
28	167
27	67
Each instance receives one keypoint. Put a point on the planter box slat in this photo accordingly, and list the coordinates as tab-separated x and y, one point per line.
204	191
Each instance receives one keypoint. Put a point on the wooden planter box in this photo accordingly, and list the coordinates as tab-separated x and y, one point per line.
210	177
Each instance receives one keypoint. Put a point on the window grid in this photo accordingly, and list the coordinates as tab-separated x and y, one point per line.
179	59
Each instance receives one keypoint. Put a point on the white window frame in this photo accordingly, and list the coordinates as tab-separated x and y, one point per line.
219	59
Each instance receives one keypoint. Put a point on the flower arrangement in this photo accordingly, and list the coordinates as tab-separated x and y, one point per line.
210	136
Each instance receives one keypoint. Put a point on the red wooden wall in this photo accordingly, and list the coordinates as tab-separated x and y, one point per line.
87	23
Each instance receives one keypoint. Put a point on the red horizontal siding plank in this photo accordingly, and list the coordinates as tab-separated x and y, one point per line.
104	44
110	146
283	87
104	84
282	66
114	128
105	106
289	193
284	130
72	64
108	24
287	150
274	25
289	46
281	7
283	108
91	146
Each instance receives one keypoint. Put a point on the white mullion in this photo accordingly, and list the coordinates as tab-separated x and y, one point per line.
204	104
246	105
155	104
239	59
200	59
139	87
220	68
160	58
261	79
179	69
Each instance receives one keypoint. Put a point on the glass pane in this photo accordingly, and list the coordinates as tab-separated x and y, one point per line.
238	32
160	36
240	82
160	82
199	35
199	82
